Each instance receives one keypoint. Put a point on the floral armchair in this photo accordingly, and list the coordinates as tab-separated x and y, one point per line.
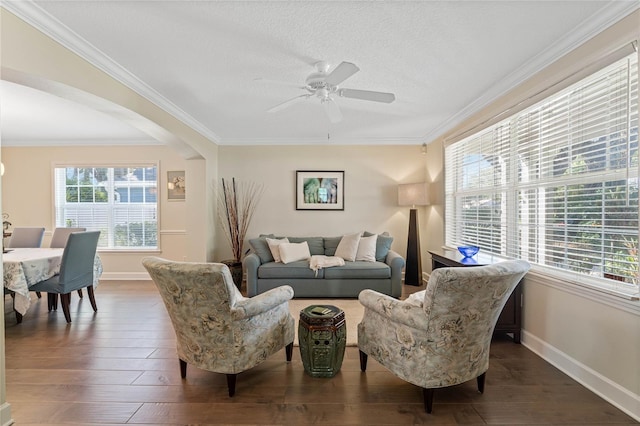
217	329
440	336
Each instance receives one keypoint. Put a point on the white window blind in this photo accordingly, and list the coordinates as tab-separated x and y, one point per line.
120	202
557	183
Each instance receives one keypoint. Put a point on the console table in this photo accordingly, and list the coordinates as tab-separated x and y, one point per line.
510	320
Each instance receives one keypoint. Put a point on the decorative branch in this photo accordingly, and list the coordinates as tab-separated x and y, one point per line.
237	204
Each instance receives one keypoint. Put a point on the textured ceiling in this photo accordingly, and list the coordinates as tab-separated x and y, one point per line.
220	65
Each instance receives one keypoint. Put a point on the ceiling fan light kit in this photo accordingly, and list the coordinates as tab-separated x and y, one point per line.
323	84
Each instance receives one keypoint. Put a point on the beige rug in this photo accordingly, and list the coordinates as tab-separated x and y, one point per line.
352	308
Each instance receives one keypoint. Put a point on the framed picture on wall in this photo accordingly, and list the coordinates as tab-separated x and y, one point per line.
176	186
319	190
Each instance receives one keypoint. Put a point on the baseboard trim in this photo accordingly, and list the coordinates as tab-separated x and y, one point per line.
610	391
125	276
5	415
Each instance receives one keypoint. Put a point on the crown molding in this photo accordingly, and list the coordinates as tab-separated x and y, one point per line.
78	142
608	15
332	140
38	18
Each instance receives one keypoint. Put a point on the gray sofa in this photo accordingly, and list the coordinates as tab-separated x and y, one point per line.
384	275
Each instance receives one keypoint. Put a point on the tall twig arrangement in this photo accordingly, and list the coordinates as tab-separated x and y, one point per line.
238	202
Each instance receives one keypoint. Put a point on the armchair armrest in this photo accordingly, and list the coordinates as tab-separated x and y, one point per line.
394	310
264	302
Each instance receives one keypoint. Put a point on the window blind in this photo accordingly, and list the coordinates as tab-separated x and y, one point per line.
557	183
120	202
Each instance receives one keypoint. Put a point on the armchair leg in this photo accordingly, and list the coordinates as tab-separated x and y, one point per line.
183	369
65	299
363	361
428	400
480	380
288	350
231	383
92	298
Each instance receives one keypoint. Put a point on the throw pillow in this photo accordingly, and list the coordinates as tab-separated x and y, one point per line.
274	243
348	247
367	249
383	245
261	248
291	252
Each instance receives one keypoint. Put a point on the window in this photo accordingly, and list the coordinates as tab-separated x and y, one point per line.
121	202
557	183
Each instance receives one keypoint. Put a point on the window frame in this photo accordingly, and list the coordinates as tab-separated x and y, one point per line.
509	212
112	184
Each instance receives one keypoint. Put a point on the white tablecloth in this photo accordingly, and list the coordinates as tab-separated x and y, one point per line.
24	267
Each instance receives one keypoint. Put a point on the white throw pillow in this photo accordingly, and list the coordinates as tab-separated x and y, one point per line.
291	252
273	244
348	247
367	248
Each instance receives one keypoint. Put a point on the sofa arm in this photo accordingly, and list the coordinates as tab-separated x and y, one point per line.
394	310
251	263
396	263
252	306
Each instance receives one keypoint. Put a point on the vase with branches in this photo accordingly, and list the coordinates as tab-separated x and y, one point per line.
236	205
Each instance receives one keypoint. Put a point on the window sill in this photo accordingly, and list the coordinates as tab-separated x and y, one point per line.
626	301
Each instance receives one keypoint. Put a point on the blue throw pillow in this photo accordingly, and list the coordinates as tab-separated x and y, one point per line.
383	245
261	248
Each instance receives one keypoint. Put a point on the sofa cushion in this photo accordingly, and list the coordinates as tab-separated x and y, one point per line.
367	249
261	248
383	245
348	247
330	245
292	252
316	244
361	270
299	269
273	244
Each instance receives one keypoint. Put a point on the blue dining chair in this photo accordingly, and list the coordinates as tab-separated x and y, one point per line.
25	237
59	240
76	272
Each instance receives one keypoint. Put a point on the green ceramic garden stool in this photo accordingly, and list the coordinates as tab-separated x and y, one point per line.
322	336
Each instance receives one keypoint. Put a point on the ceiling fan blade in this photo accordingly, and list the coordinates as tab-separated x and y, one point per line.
332	110
288	103
341	73
367	95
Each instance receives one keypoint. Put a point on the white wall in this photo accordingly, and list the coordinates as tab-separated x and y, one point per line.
372	174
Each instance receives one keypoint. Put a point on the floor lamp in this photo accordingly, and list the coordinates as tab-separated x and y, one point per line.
413	194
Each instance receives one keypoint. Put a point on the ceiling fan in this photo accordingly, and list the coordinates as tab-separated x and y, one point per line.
324	85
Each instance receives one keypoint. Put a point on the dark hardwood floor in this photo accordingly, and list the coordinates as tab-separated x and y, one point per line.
119	367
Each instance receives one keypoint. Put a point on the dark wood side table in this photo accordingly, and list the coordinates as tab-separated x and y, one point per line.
510	320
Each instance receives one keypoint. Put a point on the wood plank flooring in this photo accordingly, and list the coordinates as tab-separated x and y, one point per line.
118	366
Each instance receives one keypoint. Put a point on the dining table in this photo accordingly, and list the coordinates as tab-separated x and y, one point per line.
24	267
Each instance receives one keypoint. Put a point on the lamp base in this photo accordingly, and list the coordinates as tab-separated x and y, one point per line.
413	267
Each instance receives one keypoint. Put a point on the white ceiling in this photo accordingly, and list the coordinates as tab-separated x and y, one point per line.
219	65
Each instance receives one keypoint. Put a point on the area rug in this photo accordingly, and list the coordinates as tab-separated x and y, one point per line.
352	308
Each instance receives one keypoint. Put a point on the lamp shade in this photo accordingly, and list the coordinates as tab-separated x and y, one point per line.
413	194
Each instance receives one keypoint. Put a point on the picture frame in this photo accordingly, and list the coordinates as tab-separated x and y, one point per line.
176	186
319	190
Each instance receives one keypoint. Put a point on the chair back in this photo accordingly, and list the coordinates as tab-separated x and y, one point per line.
26	237
195	290
76	266
463	306
61	235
